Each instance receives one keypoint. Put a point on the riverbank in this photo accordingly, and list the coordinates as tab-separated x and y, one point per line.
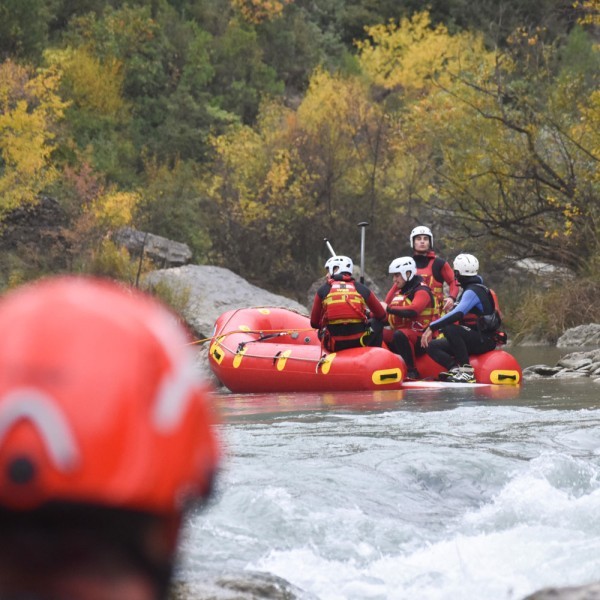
210	291
570	366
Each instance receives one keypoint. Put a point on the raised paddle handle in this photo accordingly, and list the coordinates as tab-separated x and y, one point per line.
329	247
363	225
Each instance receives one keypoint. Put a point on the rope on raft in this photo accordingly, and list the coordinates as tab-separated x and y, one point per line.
258	331
290	358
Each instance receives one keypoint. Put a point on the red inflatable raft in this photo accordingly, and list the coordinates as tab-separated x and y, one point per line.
276	350
270	349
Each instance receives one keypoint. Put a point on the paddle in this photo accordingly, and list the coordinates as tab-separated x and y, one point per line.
363	225
329	247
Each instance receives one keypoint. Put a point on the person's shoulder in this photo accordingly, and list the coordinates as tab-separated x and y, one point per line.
470	294
323	289
478	284
440	260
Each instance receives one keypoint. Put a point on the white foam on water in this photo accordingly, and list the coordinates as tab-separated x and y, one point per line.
552	489
486	502
326	578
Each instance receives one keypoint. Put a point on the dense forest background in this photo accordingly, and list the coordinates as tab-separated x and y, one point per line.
252	129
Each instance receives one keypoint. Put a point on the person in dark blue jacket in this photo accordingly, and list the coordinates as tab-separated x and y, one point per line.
462	331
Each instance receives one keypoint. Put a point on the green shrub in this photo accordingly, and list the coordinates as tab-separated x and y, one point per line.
112	261
176	298
545	313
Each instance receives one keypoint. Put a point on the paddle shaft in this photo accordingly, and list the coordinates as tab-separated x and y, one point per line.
329	247
363	225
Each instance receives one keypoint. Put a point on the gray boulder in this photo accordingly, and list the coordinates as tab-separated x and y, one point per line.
545	272
575	361
585	592
246	585
580	336
575	364
211	291
162	251
539	371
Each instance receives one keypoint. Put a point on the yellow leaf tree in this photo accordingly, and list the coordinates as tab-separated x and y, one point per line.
301	176
30	109
410	55
342	136
506	142
260	199
258	11
94	87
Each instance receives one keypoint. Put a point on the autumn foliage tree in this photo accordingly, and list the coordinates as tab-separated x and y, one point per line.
301	176
270	124
259	198
519	164
258	11
511	154
30	109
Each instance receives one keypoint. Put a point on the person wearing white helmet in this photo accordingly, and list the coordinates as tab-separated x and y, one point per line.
340	308
339	264
410	304
469	328
435	270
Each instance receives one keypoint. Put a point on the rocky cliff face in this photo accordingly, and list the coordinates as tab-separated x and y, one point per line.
40	235
37	232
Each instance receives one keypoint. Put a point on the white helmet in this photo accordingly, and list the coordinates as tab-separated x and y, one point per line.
405	265
421	230
344	263
466	265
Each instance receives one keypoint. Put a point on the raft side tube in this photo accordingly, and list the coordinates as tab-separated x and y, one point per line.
497	367
248	355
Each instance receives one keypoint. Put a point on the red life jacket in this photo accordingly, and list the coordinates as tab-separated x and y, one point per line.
418	323
343	304
436	287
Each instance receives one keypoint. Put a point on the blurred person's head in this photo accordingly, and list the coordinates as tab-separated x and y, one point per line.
106	439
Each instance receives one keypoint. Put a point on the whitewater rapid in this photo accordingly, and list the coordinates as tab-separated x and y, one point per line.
442	495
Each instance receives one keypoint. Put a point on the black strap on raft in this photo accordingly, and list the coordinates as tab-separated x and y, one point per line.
262	338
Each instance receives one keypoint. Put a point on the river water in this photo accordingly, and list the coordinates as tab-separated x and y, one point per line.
416	494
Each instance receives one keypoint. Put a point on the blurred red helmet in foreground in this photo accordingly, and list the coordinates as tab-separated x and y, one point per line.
99	401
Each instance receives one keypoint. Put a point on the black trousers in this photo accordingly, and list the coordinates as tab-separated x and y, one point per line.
372	336
401	345
458	342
